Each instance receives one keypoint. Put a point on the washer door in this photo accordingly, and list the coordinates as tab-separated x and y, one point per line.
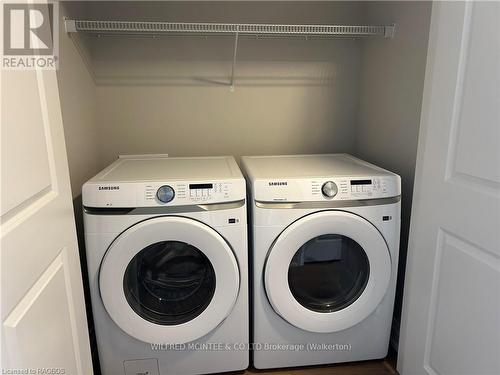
327	271
169	280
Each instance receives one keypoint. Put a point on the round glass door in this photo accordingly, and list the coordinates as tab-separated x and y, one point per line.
327	271
169	279
169	282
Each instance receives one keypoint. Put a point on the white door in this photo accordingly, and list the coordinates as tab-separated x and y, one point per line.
169	280
451	313
44	326
336	278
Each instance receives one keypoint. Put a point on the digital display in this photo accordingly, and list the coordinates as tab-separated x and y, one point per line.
201	186
361	182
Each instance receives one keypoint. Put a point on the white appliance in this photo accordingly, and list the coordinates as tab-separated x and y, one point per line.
325	232
166	243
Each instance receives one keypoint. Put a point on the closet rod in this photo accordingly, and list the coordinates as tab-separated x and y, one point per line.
158	28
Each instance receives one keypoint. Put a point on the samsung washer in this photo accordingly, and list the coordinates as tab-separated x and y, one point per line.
325	233
166	246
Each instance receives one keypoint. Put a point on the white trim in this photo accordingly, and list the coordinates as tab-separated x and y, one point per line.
173	228
303	230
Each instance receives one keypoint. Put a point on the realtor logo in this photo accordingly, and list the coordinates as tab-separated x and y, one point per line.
30	36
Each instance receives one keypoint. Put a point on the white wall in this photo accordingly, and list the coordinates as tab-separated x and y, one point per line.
81	129
392	79
171	95
77	94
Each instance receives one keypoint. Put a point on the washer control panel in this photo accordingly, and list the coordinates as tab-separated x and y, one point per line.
189	193
325	189
171	193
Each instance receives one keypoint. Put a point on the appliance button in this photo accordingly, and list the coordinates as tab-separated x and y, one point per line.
165	194
329	189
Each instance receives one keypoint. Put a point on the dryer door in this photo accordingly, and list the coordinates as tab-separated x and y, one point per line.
169	280
327	271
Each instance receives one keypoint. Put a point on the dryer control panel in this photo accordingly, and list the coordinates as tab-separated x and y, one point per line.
163	193
325	189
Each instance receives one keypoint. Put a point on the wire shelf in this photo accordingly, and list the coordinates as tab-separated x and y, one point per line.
255	29
258	30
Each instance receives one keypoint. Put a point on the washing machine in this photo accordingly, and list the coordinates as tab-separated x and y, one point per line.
166	247
325	236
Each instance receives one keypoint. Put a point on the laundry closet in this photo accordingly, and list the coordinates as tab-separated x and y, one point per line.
206	94
246	210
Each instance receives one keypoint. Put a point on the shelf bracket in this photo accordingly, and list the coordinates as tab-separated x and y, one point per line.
69	25
235	53
389	31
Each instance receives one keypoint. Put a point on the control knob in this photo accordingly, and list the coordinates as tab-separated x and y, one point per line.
165	194
329	189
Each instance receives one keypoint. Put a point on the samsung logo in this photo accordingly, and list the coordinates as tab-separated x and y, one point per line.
109	188
278	183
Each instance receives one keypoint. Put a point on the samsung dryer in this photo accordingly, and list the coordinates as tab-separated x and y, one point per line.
325	233
166	246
